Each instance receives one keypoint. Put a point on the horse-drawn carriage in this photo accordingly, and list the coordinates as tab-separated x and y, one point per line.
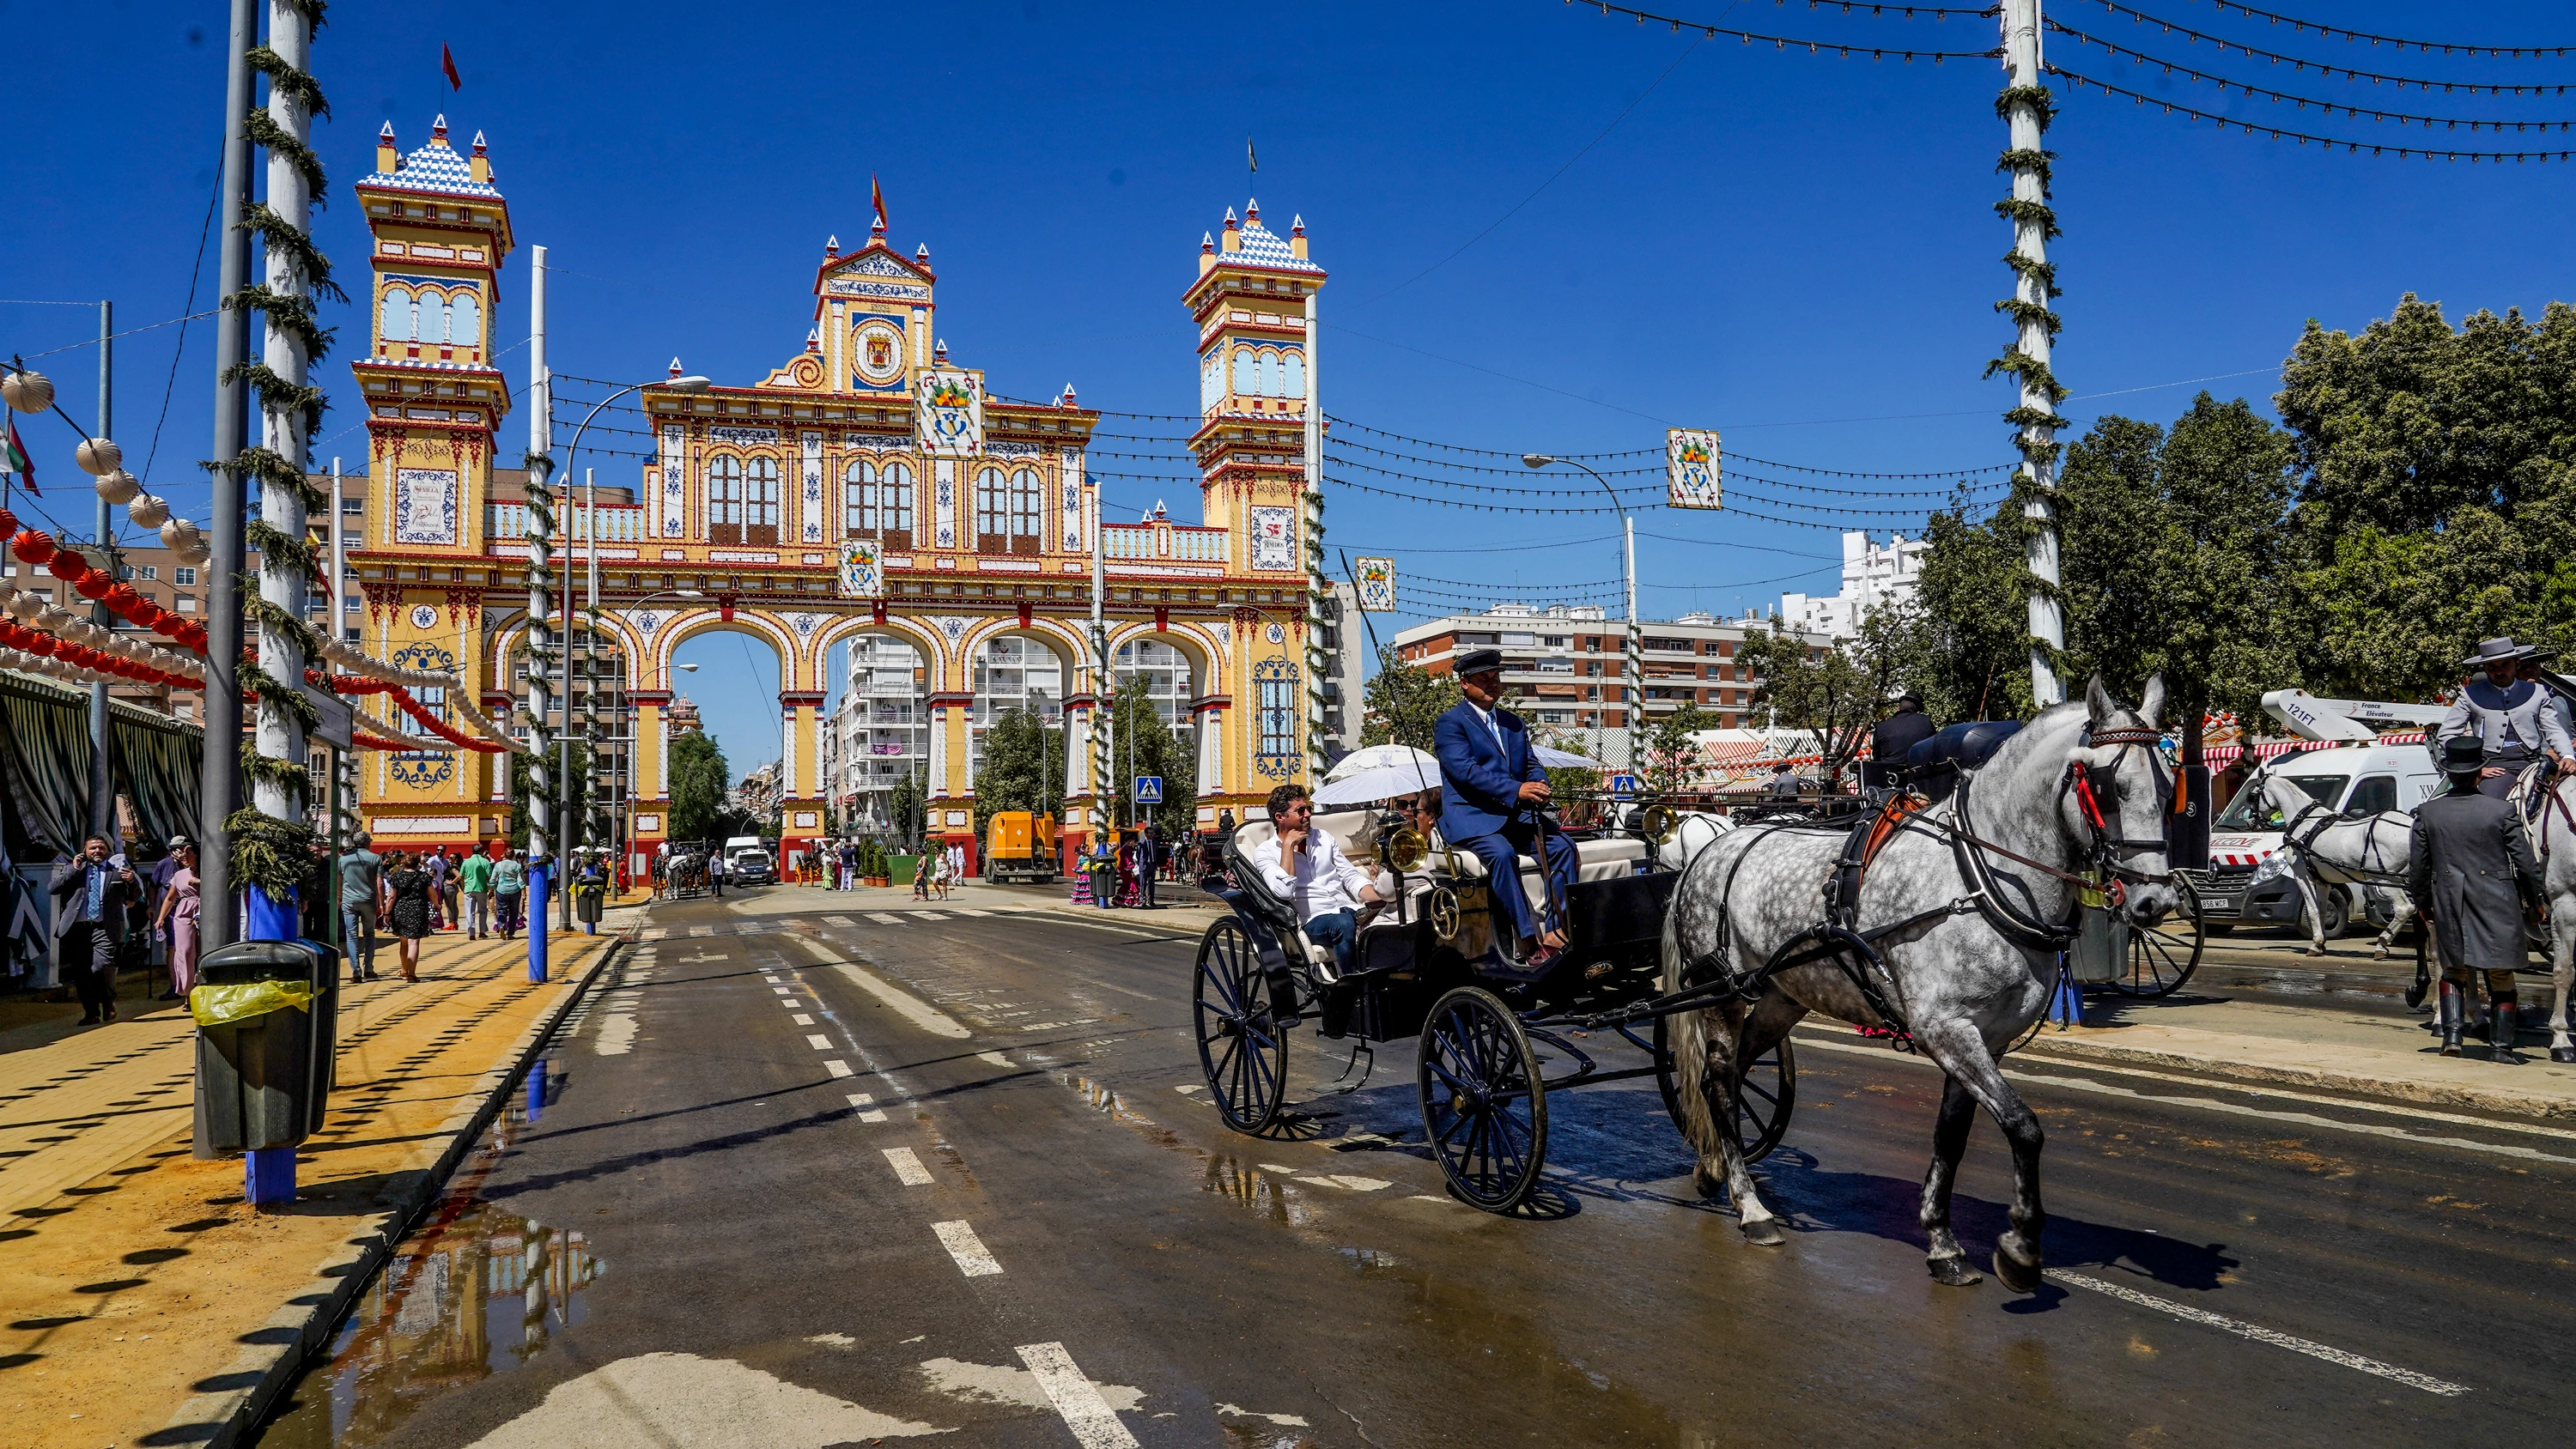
1429	966
1942	924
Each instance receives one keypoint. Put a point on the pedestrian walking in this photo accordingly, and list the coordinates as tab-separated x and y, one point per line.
178	916
474	880
2473	872
361	885
436	867
509	883
91	895
407	897
716	873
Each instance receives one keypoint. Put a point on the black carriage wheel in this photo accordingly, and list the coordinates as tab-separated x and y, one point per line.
1242	1050
2163	956
1483	1108
1762	1113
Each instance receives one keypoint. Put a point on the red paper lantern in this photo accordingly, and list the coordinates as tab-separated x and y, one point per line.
94	585
40	642
8	523
122	599
168	625
33	546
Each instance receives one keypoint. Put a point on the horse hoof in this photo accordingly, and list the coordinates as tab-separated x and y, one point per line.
2017	1275
2562	1054
1955	1273
1764	1232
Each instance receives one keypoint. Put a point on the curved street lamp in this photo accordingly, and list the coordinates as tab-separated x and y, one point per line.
1632	673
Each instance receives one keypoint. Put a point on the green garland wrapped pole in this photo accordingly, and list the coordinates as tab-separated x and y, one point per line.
541	552
2026	107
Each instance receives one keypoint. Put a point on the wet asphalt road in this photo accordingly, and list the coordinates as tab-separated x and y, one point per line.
703	1240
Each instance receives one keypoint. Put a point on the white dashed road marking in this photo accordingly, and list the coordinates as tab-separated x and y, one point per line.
864	1102
837	1068
2241	1329
819	1043
801	1019
702	930
882	919
928	916
913	1009
838	921
962	1244
907	1168
1094	1424
995	1059
973	913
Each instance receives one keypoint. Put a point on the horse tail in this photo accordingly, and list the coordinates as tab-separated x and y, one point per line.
1692	1038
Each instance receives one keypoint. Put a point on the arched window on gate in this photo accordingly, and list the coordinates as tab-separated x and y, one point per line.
1027	517
397	325
1007	510
724	499
877	502
760	501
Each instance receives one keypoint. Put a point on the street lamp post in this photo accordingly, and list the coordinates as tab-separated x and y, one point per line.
563	768
1632	671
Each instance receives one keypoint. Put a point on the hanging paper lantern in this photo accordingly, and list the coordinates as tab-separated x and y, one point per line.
117	486
8	523
195	551
98	457
123	598
32	546
66	565
27	391
176	533
94	585
41	643
147	511
169	625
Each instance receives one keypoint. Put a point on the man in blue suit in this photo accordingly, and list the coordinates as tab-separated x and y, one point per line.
1492	789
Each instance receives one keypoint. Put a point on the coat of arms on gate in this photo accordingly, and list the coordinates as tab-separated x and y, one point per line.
952	414
1690	469
862	569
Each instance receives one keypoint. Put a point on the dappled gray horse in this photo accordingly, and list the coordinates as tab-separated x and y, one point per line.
2326	846
1966	907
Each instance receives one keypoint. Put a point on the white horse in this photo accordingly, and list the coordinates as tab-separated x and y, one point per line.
2371	850
2554	836
1696	831
1964	911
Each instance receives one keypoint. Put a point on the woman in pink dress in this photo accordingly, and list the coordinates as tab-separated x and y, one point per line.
179	913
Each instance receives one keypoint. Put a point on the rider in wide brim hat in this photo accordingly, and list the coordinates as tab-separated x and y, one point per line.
2501	651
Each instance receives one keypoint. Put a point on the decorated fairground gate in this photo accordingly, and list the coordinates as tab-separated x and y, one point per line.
984	561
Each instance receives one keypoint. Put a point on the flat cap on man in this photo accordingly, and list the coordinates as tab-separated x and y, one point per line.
1478	661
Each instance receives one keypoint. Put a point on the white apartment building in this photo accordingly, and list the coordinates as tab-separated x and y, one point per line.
1874	575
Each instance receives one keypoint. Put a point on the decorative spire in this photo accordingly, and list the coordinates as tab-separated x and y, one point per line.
1230	223
385	132
832	245
921	254
1066	401
1297	225
438	130
813	339
478	143
1252	212
675	367
1207	243
939	352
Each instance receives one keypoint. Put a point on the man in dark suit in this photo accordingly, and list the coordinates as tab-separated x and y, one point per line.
1149	855
2473	870
1493	788
91	897
1896	734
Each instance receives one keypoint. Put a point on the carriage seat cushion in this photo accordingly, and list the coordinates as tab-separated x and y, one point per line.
1594	860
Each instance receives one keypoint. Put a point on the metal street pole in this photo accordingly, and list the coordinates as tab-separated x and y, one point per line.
540	499
219	786
339	612
2033	287
102	774
1632	672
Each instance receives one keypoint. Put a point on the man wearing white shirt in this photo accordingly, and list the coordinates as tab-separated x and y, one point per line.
1306	868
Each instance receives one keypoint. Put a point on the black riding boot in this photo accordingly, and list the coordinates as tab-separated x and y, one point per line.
2450	1003
2504	1024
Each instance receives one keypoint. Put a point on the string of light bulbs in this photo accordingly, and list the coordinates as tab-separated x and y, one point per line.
2302	64
2299	26
2277	133
1844	48
2223	83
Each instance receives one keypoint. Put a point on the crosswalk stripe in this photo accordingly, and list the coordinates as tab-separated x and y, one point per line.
962	1244
883	919
819	1043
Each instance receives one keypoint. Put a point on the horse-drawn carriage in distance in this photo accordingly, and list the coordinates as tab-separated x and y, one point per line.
1939	916
1429	965
685	869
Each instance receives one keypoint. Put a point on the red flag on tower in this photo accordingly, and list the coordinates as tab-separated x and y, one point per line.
876	198
447	63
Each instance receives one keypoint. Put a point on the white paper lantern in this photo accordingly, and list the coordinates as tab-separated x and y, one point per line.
28	392
117	486
195	550
147	510
176	533
97	456
25	605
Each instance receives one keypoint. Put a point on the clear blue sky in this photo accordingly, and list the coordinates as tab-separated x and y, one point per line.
1797	249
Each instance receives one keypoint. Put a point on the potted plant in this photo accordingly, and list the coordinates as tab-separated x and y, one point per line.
872	863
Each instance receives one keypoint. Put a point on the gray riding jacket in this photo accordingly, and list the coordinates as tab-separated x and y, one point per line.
2521	714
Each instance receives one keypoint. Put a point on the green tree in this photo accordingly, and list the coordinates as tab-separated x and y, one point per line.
1671	756
1022	768
1964	640
905	811
1835	691
699	776
2174	559
1404	701
1143	744
572	796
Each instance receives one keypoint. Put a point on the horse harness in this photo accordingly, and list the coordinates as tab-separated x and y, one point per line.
1838	937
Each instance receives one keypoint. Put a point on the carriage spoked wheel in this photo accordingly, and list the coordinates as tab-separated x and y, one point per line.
1483	1108
1242	1049
2163	956
1762	1109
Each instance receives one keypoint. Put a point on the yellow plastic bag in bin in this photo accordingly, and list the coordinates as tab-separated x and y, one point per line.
240	1001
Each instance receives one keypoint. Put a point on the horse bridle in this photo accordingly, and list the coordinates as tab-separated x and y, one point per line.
2100	803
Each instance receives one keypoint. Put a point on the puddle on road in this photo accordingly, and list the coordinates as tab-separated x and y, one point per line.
476	1292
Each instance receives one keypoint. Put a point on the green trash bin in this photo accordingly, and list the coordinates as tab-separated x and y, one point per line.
264	1042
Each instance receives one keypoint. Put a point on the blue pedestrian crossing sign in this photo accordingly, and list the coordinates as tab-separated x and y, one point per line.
1623	786
1149	789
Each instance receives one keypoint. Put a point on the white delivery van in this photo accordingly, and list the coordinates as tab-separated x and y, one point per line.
2249	881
